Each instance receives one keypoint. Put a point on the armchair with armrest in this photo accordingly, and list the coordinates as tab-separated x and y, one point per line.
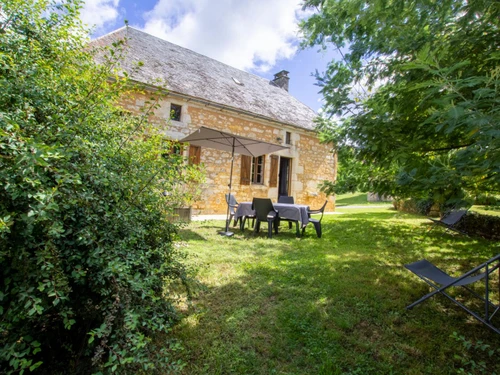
233	205
316	222
264	211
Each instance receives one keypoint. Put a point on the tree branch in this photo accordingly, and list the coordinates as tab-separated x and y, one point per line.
449	148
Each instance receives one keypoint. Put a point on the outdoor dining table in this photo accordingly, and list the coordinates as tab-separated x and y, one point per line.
295	212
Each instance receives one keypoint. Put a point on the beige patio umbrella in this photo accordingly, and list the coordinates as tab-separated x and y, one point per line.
235	144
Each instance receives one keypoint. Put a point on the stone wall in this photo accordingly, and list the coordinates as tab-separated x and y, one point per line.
312	162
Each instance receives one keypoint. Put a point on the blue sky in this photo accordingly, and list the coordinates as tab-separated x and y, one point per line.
258	36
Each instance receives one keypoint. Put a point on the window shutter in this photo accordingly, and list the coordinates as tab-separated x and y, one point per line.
273	176
194	154
246	166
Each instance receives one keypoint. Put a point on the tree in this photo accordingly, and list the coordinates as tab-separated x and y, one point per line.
417	93
87	263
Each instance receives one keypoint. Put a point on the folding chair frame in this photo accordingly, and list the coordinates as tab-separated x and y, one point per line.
450	226
488	269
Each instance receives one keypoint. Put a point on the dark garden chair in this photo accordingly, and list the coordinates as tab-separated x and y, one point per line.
244	220
441	281
316	221
248	215
286	199
233	205
264	211
450	219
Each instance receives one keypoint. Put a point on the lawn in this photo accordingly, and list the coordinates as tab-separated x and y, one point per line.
334	305
487	210
355	199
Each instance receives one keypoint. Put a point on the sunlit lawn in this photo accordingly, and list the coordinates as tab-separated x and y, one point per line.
334	305
487	210
355	199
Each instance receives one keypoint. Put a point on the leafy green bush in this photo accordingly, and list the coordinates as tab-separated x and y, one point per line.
415	206
487	200
86	254
475	354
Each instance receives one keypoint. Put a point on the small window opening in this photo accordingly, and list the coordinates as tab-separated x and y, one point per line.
288	138
174	149
258	170
175	112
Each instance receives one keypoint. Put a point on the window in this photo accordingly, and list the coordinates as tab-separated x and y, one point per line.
176	149
257	174
252	170
288	138
175	112
173	149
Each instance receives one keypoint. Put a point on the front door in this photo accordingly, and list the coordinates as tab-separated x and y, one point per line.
284	177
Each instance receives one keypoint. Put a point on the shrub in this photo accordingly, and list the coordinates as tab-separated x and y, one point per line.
486	200
415	206
474	355
86	253
476	224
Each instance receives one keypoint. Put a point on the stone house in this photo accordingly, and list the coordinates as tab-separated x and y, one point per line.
206	92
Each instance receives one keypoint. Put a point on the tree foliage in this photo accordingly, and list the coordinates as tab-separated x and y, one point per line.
416	94
86	253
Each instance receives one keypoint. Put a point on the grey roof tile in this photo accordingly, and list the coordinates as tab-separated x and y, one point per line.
192	74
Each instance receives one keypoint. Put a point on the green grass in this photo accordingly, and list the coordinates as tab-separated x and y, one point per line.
334	305
487	210
349	199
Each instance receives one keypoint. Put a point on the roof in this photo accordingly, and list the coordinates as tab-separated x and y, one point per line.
189	73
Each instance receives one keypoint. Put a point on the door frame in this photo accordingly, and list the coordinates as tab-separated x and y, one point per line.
288	178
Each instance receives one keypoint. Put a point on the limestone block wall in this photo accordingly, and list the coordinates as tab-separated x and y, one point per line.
312	162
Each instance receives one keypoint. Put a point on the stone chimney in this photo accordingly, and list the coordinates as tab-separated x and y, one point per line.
281	79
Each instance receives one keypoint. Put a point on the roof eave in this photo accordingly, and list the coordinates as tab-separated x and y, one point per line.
218	105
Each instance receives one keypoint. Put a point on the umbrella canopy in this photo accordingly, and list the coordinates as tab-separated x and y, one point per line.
219	140
235	144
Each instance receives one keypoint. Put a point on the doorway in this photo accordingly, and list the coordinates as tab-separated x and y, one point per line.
284	177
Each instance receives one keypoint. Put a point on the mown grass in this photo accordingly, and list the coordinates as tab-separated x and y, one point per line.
334	305
487	210
354	199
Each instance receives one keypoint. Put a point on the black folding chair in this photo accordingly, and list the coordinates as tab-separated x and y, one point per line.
314	221
450	219
264	211
441	281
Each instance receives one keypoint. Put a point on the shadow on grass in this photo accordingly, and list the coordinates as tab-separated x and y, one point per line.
329	306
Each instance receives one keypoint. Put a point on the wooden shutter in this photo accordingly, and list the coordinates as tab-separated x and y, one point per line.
194	154
246	167
273	176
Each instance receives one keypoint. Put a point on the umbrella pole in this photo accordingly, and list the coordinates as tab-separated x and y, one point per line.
227	232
